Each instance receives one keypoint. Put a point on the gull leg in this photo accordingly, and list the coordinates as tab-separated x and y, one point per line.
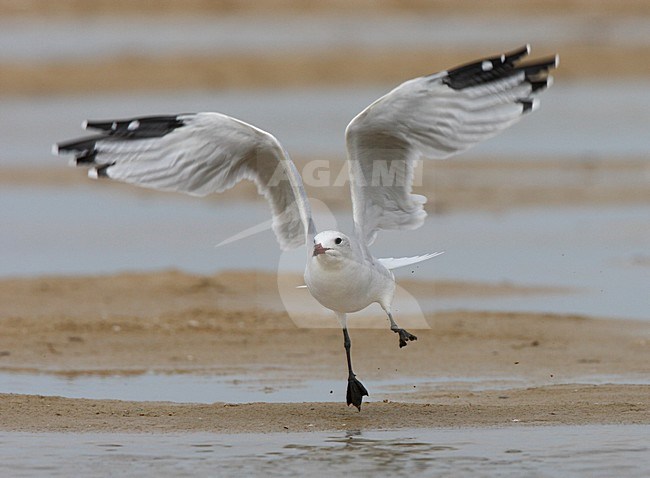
356	391
404	335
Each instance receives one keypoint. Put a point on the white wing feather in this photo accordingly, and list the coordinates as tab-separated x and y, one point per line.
209	153
435	117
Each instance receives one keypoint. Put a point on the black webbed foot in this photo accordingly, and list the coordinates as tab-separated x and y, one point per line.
404	336
356	392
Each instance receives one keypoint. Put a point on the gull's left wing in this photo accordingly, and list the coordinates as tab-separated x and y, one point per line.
199	154
433	116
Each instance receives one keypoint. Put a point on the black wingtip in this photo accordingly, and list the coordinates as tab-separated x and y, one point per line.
540	66
500	67
100	171
486	66
541	85
145	127
529	105
514	55
85	149
99	125
77	146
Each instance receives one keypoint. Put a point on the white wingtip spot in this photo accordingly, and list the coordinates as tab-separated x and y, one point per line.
527	48
93	174
55	149
84	124
557	60
535	105
487	65
549	81
133	125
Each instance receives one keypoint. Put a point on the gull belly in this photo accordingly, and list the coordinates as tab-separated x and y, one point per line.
348	285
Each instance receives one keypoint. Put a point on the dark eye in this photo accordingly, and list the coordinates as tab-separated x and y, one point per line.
337	240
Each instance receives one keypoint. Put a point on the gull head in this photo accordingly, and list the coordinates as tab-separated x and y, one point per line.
331	245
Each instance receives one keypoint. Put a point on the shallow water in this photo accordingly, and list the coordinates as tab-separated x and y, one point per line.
107	36
599	254
180	388
268	387
590	450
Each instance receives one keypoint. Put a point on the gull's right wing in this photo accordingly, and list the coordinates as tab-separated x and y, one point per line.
199	154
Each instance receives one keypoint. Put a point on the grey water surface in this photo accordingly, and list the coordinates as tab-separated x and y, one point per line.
511	451
267	387
92	38
598	256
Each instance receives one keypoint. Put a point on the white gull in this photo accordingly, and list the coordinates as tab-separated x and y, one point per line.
433	116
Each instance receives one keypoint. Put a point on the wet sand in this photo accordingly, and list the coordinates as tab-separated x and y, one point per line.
561	405
233	323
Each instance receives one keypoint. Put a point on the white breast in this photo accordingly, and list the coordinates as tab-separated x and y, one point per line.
348	286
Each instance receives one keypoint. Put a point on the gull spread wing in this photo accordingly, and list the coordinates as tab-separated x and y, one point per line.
434	116
199	154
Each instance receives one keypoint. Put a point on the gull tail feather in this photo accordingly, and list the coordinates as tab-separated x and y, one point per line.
251	231
395	262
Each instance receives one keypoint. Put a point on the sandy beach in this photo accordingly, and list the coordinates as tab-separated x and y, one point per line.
174	322
554	405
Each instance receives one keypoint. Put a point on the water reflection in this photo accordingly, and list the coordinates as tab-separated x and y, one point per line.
590	450
359	453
